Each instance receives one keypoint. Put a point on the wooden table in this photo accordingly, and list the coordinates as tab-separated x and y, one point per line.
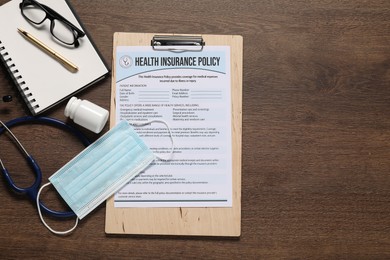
316	133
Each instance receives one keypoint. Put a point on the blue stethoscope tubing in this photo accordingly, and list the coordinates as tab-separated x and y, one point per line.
32	191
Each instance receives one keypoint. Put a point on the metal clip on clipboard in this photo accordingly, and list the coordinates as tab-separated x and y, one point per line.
177	43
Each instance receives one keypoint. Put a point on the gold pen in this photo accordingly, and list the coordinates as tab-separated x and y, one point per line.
69	65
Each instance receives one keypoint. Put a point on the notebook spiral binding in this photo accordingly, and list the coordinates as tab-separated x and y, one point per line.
17	78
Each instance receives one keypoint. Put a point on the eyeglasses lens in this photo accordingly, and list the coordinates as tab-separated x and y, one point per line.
63	32
34	13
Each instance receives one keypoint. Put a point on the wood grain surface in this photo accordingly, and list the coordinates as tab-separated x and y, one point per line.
315	143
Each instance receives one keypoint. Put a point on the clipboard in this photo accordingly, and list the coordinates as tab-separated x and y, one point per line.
184	221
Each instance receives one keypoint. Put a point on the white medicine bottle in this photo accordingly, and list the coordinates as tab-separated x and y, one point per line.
86	114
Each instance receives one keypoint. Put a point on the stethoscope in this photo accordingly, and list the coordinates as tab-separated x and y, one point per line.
7	98
32	191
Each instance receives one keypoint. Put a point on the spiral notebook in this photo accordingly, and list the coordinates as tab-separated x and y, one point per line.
43	81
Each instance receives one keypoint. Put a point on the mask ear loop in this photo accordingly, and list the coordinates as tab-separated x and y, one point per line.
170	155
66	232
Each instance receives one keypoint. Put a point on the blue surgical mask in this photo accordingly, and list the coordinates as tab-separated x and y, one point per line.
101	169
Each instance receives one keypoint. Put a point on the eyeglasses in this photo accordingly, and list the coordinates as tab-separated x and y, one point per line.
60	27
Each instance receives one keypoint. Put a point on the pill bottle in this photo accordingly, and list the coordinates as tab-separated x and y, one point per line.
86	114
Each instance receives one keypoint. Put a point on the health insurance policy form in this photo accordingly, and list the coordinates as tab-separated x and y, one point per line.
191	92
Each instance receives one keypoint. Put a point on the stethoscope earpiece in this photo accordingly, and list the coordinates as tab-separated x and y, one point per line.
7	98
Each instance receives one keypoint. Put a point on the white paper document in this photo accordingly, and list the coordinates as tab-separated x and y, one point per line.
191	92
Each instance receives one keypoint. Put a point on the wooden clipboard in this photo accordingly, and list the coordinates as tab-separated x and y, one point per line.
185	221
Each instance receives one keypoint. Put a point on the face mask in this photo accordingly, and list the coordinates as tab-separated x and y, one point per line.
100	170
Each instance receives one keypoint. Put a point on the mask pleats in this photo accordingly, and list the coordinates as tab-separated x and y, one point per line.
102	168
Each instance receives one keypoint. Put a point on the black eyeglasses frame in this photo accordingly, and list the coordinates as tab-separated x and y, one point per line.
53	15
